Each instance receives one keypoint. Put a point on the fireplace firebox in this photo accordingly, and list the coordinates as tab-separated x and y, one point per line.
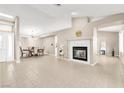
80	53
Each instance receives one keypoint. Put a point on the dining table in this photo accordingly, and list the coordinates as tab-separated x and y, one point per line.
35	51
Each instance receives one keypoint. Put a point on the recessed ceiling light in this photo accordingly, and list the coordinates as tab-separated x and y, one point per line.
74	13
5	15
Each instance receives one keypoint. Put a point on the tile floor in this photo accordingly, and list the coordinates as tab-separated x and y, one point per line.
49	72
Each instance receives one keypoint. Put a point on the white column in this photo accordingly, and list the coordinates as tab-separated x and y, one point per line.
121	45
95	45
17	49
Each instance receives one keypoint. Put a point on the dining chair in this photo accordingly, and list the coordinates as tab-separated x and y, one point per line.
40	51
24	52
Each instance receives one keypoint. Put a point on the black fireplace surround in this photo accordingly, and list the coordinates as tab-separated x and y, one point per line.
80	53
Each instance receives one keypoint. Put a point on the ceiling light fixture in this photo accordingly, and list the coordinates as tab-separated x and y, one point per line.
58	4
74	13
6	15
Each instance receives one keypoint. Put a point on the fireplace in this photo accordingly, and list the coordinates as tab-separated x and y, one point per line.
80	53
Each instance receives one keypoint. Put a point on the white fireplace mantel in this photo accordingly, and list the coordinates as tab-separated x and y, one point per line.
79	43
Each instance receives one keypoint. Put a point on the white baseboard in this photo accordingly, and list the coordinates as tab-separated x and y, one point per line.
61	58
50	54
94	64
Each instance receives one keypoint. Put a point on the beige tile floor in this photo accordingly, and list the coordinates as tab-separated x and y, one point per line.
47	71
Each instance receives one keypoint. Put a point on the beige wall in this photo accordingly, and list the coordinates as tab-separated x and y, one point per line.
111	39
29	42
24	43
49	44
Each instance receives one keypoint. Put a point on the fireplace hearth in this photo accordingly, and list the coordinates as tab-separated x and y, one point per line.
80	53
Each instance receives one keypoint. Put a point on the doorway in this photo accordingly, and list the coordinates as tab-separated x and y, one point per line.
110	43
6	41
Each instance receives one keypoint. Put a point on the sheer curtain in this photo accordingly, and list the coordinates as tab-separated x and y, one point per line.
6	46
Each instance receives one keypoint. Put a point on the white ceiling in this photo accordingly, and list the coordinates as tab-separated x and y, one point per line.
95	10
49	17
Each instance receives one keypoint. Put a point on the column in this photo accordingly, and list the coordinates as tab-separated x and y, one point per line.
95	45
17	49
121	45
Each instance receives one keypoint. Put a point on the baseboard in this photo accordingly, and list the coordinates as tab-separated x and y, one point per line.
51	54
62	58
94	64
7	61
